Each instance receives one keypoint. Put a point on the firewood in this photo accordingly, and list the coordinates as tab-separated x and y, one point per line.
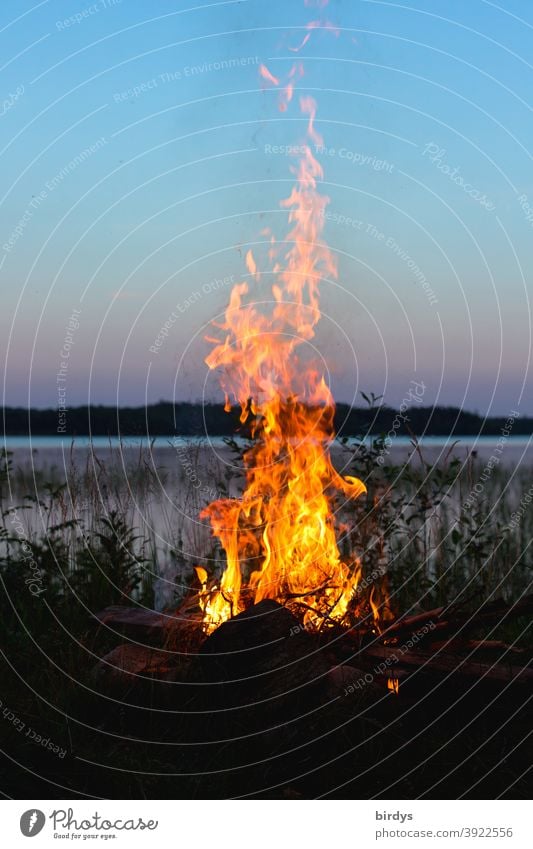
454	618
442	663
265	658
138	623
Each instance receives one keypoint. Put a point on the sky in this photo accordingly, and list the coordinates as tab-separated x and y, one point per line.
142	158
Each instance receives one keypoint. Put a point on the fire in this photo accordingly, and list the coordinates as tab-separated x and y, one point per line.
375	611
393	685
280	537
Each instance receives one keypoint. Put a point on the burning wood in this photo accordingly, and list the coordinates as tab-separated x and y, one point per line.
267	652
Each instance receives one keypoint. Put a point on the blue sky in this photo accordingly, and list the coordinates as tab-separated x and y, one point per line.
138	167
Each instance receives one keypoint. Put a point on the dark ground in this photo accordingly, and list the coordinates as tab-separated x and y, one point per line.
443	738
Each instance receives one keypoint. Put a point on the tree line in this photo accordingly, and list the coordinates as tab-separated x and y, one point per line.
193	419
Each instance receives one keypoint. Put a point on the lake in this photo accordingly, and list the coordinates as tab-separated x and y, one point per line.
46	450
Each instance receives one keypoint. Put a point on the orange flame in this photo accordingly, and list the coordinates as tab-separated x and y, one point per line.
394	685
287	91
280	537
375	610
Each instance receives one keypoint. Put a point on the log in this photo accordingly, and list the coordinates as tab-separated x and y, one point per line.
444	663
139	624
447	620
263	658
486	646
130	659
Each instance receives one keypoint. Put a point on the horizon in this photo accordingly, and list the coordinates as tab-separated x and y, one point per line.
143	159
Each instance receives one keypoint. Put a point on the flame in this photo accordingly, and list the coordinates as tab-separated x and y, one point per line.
251	266
279	538
394	685
319	24
287	90
375	610
265	73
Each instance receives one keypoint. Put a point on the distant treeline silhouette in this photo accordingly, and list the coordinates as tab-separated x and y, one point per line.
190	419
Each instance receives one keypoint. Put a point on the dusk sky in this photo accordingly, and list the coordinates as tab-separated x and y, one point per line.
141	158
